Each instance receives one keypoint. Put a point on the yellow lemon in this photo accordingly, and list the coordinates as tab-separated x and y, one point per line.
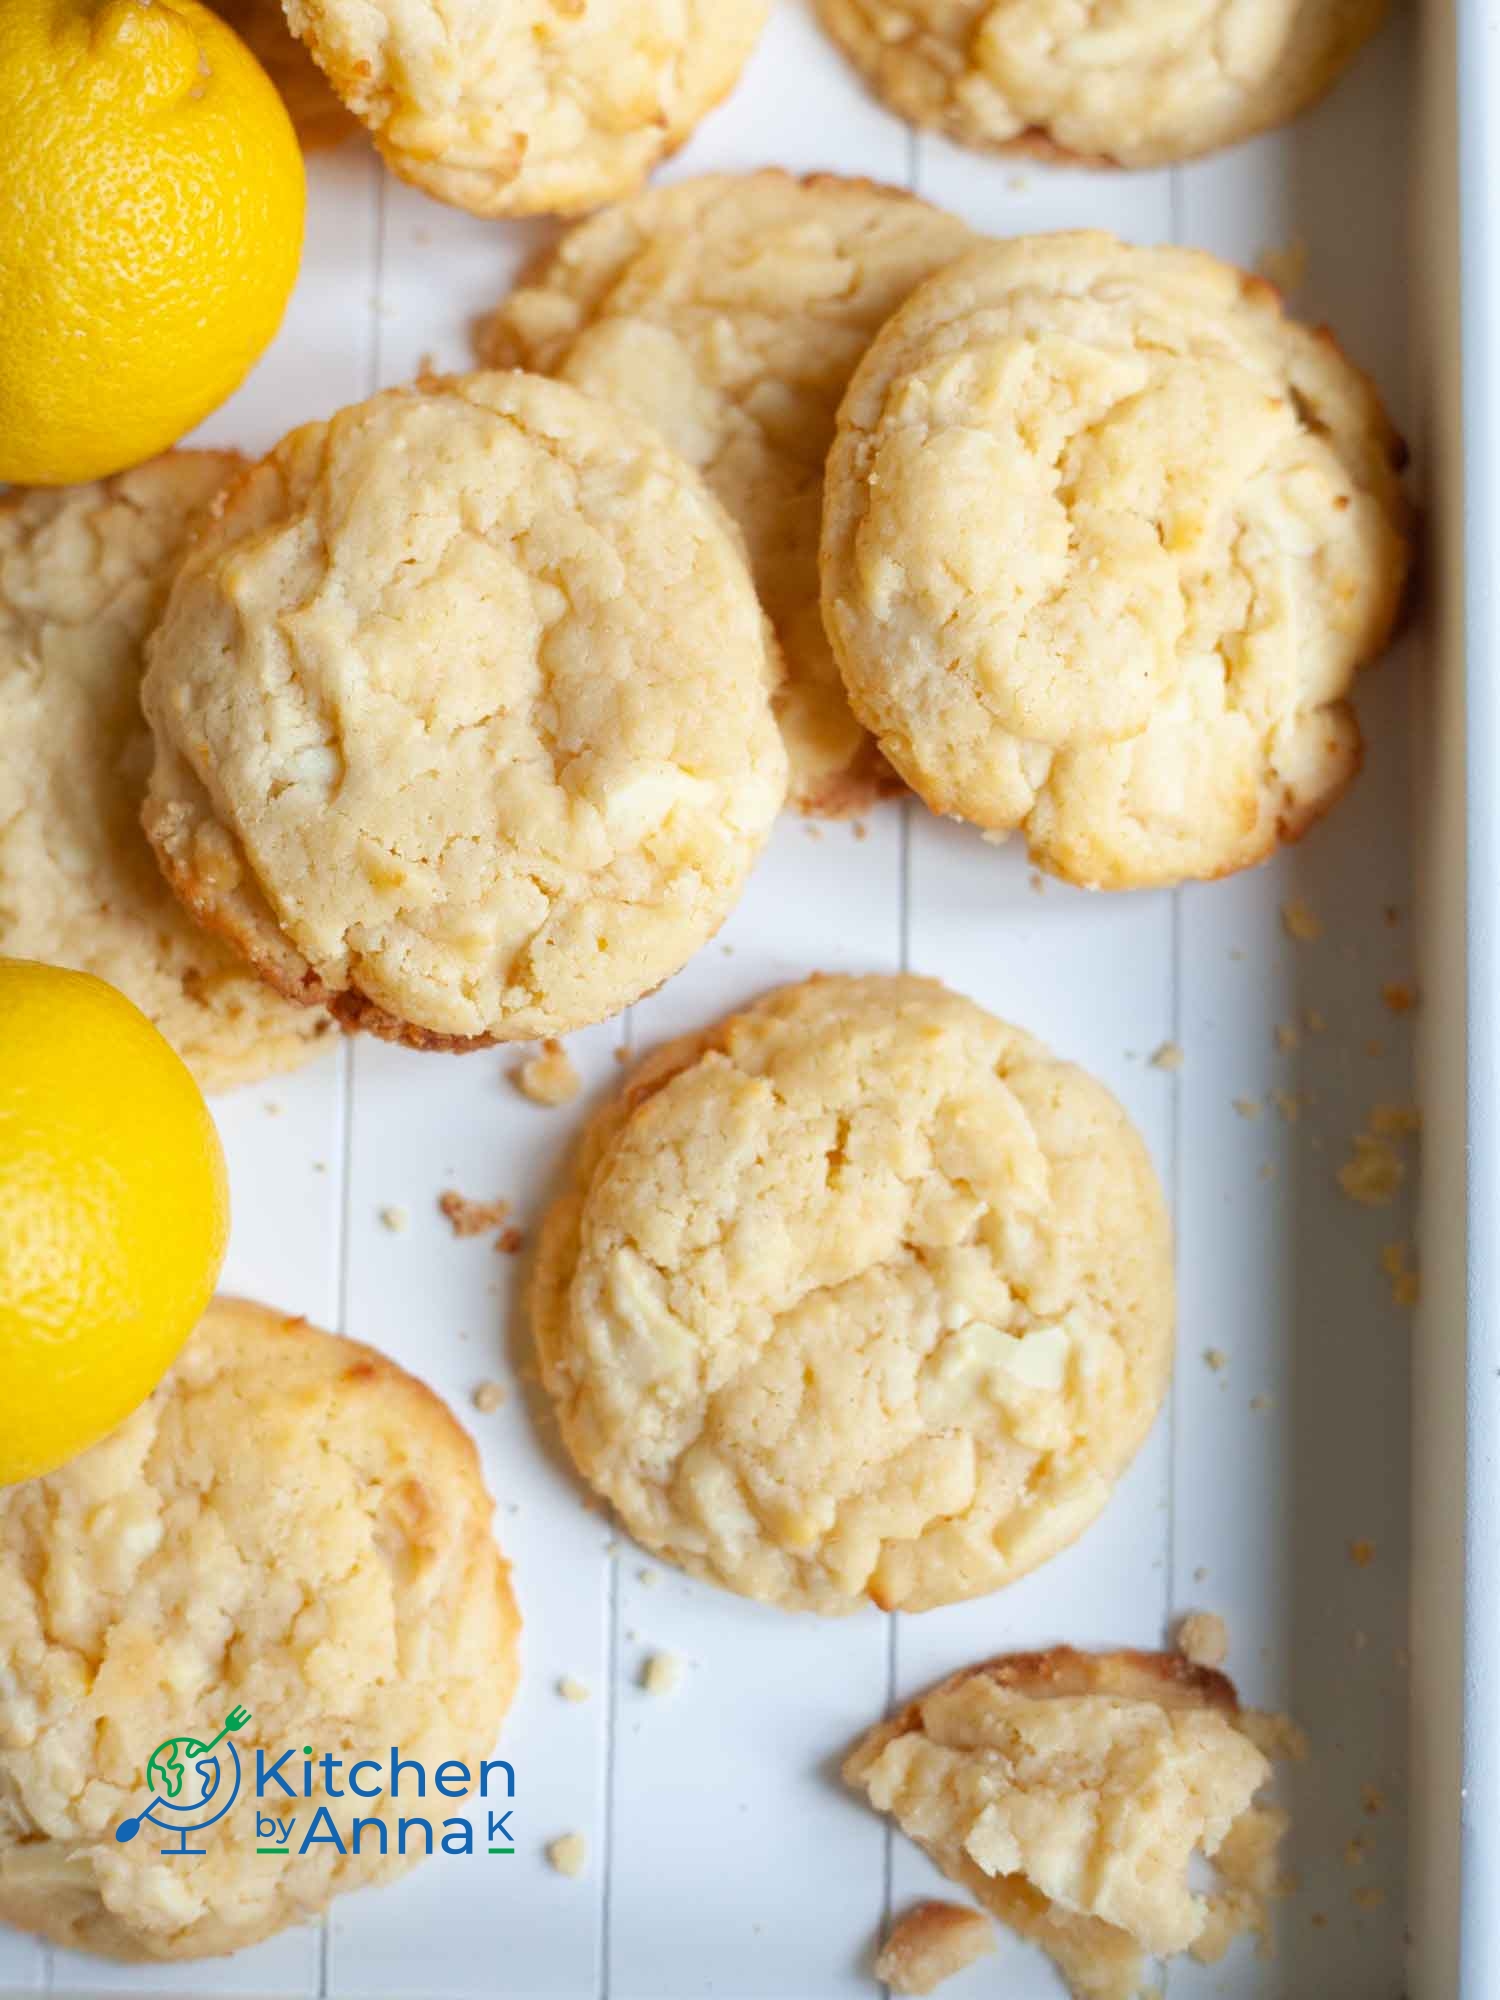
151	209
114	1212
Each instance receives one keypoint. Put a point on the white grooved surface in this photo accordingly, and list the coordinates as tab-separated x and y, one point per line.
724	1857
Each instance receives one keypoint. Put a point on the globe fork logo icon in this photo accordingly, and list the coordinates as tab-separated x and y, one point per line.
168	1756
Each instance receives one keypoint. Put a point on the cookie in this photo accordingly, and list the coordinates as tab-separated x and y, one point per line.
319	117
1131	83
463	718
860	1294
292	1526
1070	1793
730	312
527	107
83	570
1106	539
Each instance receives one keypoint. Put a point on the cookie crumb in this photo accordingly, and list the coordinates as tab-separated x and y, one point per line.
573	1690
662	1674
1361	1554
622	1053
1288	1103
1288	1037
394	1219
569	1855
1373	1173
647	1578
1315	1022
1247	1107
471	1218
488	1396
1368	1897
1356	1852
1406	1280
1168	1056
1203	1638
1399	996
1372	1799
931	1943
549	1077
1396	1121
1216	1358
1302	922
510	1242
273	1109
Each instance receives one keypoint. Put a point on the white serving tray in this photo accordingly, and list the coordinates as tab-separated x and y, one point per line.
725	1858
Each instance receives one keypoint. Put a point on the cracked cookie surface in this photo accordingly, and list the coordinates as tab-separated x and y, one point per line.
524	107
290	1525
1106	539
730	312
83	571
1133	83
1072	1793
859	1294
462	710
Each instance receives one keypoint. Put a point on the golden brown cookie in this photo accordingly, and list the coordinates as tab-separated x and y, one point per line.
83	571
1070	1792
463	718
730	312
1106	539
859	1294
294	1527
1133	83
525	107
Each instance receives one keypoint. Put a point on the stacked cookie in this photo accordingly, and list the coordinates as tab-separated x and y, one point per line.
472	706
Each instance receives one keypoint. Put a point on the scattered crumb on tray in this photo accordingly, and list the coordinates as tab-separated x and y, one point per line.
1284	265
1372	1799
1399	995
573	1690
1302	922
647	1578
931	1943
1356	1852
1248	1107
1288	1037
1168	1056
1288	1103
1406	1280
272	1108
510	1242
1368	1897
622	1054
1203	1638
1396	1121
394	1219
471	1218
662	1674
549	1076
1362	1553
488	1396
1315	1022
569	1855
1374	1170
1216	1358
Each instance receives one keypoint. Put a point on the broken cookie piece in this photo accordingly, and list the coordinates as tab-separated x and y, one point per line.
1070	1793
931	1943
